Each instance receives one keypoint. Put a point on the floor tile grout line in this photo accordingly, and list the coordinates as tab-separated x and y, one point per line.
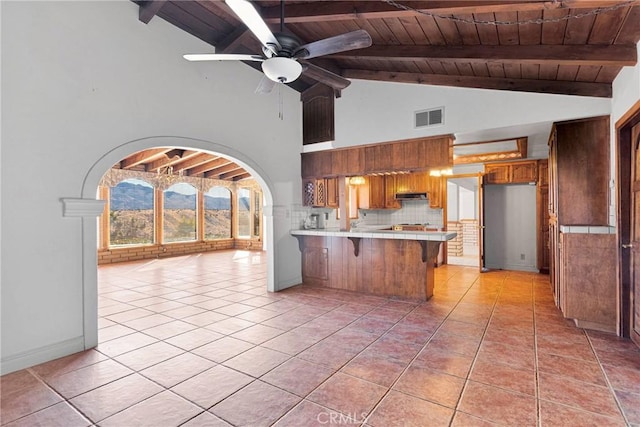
360	352
460	299
536	361
390	388
475	357
608	381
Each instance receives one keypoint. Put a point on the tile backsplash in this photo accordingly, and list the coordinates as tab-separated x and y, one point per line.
412	212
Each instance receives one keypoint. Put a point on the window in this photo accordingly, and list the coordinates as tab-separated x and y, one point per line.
131	213
180	213
244	213
217	213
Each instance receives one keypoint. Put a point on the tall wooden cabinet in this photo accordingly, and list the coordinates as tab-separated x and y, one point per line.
578	192
542	203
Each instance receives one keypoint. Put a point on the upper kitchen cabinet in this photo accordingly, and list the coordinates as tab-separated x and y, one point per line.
371	195
316	164
579	160
419	154
377	158
428	153
412	183
511	172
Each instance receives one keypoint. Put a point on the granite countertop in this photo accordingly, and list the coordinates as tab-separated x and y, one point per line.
372	233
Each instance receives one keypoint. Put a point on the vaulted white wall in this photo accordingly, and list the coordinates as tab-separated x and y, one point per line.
82	84
379	111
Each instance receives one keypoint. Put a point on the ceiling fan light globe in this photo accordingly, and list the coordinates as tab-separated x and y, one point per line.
281	69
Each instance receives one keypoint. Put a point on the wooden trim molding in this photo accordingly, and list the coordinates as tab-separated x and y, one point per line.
79	208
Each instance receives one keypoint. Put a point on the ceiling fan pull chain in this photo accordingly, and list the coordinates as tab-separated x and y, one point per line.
280	103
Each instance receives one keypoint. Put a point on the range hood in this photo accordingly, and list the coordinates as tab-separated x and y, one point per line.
412	196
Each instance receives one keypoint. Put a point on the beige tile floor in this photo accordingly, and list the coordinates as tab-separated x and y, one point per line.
197	341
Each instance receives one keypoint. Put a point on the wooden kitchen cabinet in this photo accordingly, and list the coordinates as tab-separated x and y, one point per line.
435	191
578	194
371	195
511	173
316	164
333	193
589	287
418	154
542	224
412	183
497	174
390	201
320	192
315	262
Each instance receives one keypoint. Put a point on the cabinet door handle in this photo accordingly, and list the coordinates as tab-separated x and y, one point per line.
627	246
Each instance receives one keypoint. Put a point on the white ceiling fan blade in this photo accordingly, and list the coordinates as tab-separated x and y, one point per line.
265	86
222	57
358	39
249	15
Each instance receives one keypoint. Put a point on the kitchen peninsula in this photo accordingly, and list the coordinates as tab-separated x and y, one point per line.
377	262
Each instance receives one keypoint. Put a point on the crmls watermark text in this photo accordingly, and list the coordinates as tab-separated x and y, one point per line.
337	418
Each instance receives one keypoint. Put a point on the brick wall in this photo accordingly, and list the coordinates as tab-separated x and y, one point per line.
113	255
454	246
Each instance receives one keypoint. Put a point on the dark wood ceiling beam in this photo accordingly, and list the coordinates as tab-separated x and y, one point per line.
598	55
217	172
602	90
234	41
314	12
149	9
145	156
347	10
197	170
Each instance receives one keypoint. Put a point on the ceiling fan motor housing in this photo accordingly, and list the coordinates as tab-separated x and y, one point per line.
281	67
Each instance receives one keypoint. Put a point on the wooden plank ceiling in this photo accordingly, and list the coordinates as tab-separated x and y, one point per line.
168	160
564	47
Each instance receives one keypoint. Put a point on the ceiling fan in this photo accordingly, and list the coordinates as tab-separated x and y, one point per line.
281	51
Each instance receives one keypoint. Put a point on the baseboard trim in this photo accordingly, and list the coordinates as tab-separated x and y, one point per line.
40	355
513	267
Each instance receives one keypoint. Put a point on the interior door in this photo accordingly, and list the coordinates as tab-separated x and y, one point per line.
481	226
635	234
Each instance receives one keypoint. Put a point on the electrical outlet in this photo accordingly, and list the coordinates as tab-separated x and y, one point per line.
522	256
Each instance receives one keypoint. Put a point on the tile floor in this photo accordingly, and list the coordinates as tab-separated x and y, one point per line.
196	341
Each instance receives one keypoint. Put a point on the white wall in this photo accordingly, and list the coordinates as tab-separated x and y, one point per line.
367	104
468	204
510	227
452	201
626	90
80	82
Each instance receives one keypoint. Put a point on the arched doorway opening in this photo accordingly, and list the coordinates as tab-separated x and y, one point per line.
90	236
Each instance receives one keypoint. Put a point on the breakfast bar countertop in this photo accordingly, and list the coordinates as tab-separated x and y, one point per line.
370	233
